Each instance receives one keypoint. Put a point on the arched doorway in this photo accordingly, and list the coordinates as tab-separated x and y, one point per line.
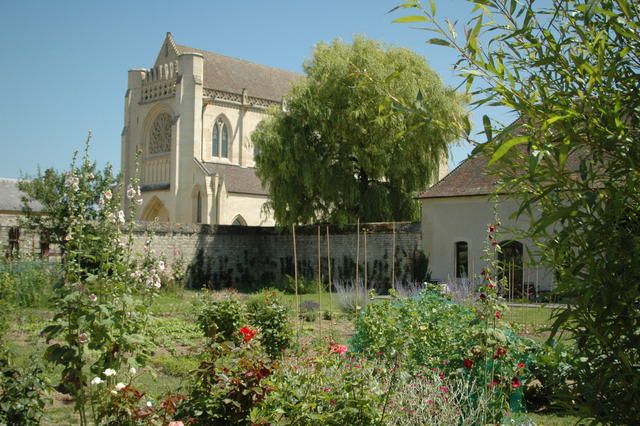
510	258
239	221
155	210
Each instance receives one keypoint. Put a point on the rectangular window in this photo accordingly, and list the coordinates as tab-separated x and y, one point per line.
462	259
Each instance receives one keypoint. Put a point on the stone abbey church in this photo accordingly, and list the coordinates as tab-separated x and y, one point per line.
190	118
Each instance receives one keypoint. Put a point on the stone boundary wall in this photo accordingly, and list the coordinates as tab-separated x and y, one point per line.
244	257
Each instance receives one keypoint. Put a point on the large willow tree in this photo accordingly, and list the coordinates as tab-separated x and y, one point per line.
347	146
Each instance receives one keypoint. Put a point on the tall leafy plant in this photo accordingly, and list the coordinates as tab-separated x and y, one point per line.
101	301
570	69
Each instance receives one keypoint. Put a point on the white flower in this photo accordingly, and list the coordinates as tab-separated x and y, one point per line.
120	386
108	194
131	192
149	404
139	201
161	265
91	176
584	359
121	216
96	381
138	192
133	370
109	372
93	298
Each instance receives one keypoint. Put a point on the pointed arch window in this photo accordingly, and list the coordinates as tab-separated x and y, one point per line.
220	146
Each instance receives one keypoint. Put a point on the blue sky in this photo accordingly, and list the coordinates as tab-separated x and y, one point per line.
64	66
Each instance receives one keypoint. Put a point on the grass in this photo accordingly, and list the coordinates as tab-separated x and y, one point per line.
180	341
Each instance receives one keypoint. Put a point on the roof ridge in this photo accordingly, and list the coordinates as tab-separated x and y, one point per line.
180	48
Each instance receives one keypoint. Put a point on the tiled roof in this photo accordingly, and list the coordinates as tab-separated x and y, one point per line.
468	179
242	180
232	75
11	197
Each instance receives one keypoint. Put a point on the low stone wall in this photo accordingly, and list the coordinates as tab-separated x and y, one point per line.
222	256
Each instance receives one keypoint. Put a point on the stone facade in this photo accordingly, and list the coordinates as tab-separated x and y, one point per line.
192	111
249	257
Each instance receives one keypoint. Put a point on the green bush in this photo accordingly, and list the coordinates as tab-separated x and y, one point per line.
227	385
552	369
268	313
430	330
220	320
21	392
330	389
287	284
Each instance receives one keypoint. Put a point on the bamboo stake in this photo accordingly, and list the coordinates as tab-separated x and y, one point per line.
295	274
393	259
319	287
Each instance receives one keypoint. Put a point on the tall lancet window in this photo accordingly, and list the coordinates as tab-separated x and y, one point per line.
199	208
220	146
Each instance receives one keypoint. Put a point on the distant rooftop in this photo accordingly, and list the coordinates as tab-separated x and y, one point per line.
241	180
232	75
11	197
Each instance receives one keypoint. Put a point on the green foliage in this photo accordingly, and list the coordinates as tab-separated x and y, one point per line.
570	71
287	284
329	389
270	315
22	392
227	385
552	370
28	284
221	320
342	149
432	331
101	303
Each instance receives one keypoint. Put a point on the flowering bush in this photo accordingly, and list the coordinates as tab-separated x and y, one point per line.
328	389
268	313
228	384
220	320
102	301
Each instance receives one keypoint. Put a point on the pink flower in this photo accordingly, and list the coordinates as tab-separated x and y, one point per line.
83	338
338	349
93	298
498	315
515	383
176	423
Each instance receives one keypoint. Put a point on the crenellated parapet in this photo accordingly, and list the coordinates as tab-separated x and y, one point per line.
160	82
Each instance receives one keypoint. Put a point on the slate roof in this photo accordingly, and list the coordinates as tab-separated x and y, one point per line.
232	75
11	197
468	179
241	180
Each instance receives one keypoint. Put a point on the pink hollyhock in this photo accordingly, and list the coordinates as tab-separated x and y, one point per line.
338	349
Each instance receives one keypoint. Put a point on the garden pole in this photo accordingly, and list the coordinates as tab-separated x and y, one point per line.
319	287
393	258
295	277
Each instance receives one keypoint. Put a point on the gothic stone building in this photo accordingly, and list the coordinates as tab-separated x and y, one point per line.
190	118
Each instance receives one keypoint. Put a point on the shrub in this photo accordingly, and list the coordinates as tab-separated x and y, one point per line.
29	284
227	385
220	320
287	284
430	330
552	368
21	392
351	296
268	313
330	389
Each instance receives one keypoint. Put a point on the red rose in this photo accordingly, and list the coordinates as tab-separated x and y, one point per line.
247	333
520	365
501	351
515	383
468	364
498	314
